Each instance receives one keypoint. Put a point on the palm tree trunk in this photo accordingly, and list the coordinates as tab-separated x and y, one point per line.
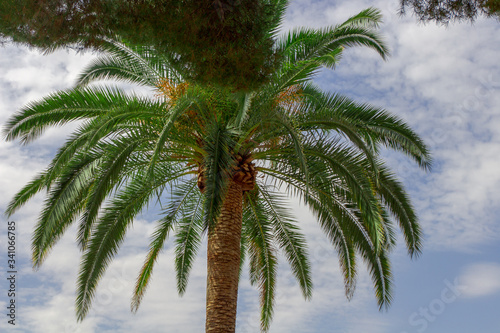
223	263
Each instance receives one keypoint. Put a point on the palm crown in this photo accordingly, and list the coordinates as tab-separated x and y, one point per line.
208	153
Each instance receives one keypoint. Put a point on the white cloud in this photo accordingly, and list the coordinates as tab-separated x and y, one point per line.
481	279
28	76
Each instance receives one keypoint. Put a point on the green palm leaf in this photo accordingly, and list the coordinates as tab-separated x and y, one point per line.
263	262
287	234
188	238
165	225
110	232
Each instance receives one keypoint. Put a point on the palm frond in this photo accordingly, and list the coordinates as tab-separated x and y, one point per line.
26	193
369	17
287	234
396	199
64	202
217	163
140	65
306	50
328	217
244	101
379	267
339	170
112	68
182	106
278	8
60	108
110	231
333	111
164	226
297	140
108	174
188	237
263	262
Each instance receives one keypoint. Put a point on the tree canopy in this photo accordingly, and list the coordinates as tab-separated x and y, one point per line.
223	42
445	11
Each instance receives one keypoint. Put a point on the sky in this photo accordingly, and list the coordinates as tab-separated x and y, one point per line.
444	81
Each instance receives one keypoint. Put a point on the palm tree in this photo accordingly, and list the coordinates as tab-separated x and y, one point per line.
221	163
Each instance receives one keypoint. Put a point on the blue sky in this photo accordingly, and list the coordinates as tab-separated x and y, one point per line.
444	81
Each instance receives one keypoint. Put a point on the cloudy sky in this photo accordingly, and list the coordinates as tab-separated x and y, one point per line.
444	81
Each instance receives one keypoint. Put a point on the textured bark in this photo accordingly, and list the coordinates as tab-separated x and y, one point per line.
244	173
223	262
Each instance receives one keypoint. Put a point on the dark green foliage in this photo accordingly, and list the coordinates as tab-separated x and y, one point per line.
227	43
222	42
445	11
